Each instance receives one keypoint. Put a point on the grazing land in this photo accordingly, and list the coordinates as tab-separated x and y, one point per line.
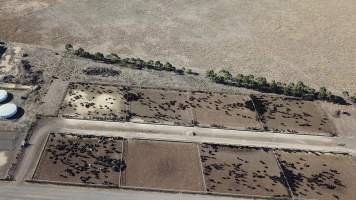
88	101
81	159
223	110
275	39
162	165
242	171
313	175
284	114
160	106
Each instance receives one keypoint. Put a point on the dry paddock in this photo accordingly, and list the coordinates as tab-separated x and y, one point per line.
199	168
281	40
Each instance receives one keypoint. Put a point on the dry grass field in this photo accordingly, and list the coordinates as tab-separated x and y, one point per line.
162	165
222	110
287	40
283	114
89	101
242	171
91	160
159	106
323	176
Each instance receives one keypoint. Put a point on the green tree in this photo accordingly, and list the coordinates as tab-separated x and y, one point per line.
226	75
323	93
210	74
261	82
298	89
158	65
169	67
273	86
99	56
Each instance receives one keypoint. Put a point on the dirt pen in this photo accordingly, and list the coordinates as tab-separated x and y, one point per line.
313	175
291	115
98	102
159	106
223	110
195	168
192	108
81	159
242	171
162	165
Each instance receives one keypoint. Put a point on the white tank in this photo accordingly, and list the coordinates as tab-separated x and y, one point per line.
7	110
3	95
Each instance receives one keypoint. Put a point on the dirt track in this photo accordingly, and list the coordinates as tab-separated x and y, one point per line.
284	40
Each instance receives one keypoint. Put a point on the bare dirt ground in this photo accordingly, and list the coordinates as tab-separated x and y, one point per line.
4	163
160	106
313	175
222	110
344	121
54	97
162	165
284	114
242	171
88	101
289	40
81	160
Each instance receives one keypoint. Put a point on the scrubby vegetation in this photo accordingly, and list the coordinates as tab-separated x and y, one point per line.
130	62
97	71
261	84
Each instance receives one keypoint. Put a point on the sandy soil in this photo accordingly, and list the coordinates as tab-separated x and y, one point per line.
289	40
314	175
293	116
230	111
162	165
243	171
88	101
74	159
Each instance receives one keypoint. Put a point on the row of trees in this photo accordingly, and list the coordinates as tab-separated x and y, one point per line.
261	84
136	62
